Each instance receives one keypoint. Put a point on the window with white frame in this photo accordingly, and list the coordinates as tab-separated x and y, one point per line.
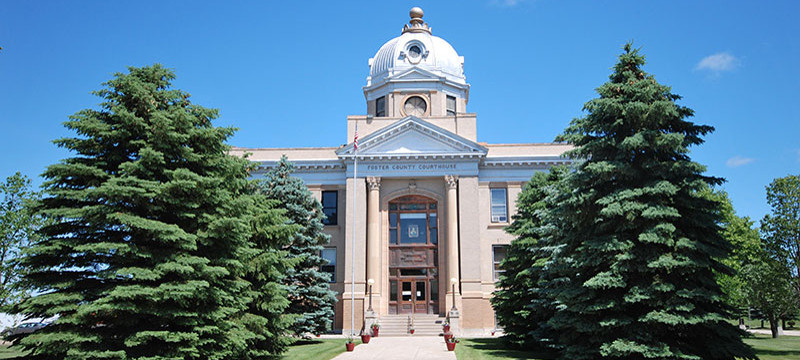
499	205
498	255
329	254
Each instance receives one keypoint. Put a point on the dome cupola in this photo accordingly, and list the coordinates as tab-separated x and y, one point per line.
417	61
416	47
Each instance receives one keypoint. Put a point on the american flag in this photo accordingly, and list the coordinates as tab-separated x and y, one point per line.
355	140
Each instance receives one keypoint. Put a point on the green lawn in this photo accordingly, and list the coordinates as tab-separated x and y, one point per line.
323	349
767	348
6	353
490	348
318	349
782	348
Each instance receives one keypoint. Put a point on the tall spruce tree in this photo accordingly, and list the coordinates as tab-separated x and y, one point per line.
266	265
640	243
151	221
521	302
310	295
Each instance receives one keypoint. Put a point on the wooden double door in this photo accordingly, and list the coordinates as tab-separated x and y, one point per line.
414	296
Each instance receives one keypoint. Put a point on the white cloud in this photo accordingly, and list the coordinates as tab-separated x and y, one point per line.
737	161
718	62
507	3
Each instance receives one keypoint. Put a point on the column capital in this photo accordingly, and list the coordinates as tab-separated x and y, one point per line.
451	180
374	182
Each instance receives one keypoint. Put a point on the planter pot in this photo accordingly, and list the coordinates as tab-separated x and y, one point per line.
411	331
446	328
317	335
365	339
375	332
350	346
492	333
447	336
451	346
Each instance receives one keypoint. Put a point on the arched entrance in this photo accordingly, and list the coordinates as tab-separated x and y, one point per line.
413	255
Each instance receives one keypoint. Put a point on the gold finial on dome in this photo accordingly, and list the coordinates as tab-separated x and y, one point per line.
416	24
416	12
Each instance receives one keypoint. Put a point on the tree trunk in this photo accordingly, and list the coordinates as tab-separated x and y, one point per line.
775	328
783	323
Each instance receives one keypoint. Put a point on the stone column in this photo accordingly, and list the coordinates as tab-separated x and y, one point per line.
452	239
374	239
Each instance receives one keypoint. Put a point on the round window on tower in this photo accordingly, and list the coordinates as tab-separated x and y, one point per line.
415	106
414	51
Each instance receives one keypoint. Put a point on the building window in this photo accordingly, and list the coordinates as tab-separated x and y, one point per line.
329	254
451	105
380	106
499	206
498	255
330	201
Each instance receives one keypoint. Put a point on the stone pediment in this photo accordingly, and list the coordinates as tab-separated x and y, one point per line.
412	137
415	73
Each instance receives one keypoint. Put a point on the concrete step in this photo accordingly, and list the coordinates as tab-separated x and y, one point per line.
424	325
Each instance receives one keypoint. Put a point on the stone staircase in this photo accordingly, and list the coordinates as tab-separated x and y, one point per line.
424	325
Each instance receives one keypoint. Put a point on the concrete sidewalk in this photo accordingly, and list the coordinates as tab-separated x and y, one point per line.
769	332
401	348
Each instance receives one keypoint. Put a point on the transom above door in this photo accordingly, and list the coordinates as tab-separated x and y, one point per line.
413	221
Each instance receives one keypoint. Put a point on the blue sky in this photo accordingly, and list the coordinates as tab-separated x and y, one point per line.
288	73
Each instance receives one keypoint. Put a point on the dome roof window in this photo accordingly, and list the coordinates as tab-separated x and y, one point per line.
414	52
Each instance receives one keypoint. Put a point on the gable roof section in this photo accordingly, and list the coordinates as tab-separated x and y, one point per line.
412	137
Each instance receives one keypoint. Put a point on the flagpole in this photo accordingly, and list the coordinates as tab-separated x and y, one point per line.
353	244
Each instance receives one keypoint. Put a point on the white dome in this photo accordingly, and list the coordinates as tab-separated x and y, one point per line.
416	47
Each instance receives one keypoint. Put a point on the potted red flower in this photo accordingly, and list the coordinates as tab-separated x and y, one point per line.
446	327
365	337
451	343
349	344
375	329
411	329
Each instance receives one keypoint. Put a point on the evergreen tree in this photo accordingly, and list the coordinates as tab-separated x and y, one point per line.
640	243
310	295
151	221
266	266
520	303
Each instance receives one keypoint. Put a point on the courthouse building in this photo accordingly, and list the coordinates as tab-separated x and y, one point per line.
431	200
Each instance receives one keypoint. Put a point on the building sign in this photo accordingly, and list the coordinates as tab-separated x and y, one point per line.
410	257
411	168
413	231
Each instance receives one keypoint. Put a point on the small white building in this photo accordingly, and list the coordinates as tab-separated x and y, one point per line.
431	201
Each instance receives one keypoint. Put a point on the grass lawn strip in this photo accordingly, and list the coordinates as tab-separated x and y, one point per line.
782	348
6	353
491	348
317	349
766	348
